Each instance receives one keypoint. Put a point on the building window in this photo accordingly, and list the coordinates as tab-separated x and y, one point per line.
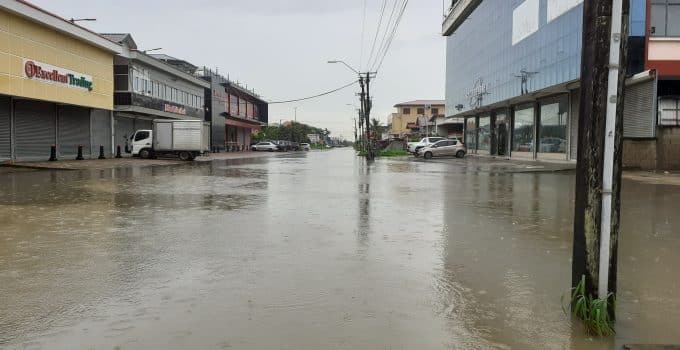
523	130
552	129
665	18
407	111
484	132
435	111
136	84
420	111
471	133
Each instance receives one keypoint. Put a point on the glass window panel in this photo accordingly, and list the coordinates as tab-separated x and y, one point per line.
484	133
553	127
658	20
523	130
470	133
673	26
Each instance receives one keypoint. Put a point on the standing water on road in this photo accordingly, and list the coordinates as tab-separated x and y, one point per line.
318	251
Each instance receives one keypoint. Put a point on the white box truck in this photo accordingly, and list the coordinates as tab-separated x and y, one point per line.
186	139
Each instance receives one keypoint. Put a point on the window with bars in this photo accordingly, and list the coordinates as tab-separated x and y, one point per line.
669	112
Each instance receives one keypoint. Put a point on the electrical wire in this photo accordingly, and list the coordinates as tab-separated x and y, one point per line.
377	30
363	36
384	36
315	96
392	35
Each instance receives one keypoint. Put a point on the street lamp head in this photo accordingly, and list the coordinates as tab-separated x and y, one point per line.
333	61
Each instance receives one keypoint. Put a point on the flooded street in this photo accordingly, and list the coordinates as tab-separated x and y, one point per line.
318	251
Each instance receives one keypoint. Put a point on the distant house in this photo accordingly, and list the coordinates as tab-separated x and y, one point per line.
421	118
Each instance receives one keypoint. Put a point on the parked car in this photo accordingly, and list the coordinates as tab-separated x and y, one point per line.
265	146
413	147
305	147
444	148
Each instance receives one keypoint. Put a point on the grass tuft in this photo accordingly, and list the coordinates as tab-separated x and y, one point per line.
594	312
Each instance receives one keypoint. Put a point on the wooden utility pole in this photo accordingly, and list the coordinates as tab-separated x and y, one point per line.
600	145
367	116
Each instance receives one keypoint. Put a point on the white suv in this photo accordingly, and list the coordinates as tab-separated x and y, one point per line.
413	147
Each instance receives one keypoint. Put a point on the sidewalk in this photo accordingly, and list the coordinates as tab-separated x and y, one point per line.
654	177
121	162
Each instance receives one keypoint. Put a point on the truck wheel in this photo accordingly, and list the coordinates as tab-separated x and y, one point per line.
185	156
145	153
428	155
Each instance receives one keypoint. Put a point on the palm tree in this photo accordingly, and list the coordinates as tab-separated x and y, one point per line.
377	127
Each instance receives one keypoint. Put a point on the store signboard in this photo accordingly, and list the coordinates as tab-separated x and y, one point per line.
50	74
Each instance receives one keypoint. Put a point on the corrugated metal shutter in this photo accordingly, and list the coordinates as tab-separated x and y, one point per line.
639	111
123	130
74	130
143	124
573	124
35	127
5	128
101	131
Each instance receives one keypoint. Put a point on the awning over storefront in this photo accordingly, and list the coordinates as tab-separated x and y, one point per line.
243	124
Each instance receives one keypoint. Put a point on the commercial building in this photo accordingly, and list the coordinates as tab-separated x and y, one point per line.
516	83
235	112
423	117
56	85
151	87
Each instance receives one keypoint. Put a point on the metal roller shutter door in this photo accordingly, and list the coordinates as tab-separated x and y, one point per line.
74	130
35	127
123	130
101	131
639	111
5	128
143	124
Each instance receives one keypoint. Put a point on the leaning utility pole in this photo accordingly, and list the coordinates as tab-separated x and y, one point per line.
600	146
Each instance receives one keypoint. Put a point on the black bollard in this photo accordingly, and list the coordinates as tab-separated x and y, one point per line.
118	152
53	153
101	152
80	153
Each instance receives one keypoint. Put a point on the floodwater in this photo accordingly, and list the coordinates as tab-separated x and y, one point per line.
318	251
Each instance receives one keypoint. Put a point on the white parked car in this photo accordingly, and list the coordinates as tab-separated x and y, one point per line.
305	147
265	146
444	148
413	147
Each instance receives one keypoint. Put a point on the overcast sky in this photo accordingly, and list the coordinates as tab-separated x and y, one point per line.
280	47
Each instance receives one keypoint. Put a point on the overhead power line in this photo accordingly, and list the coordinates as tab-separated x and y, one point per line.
377	30
315	96
363	35
384	36
392	35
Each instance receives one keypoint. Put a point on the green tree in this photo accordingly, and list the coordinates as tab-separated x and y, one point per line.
377	127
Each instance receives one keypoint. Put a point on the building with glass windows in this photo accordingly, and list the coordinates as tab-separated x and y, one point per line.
513	70
235	112
147	88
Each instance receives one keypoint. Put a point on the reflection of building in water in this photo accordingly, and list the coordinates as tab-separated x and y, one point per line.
505	253
531	66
